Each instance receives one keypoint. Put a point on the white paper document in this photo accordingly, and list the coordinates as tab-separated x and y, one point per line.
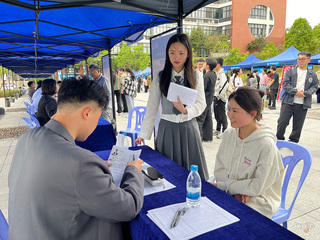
119	157
194	222
148	189
187	95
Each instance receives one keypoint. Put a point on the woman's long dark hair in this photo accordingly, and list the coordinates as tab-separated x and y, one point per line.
165	76
131	73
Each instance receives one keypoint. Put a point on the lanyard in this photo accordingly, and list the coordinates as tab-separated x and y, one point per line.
99	78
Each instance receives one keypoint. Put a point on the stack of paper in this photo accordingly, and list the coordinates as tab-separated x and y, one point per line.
196	221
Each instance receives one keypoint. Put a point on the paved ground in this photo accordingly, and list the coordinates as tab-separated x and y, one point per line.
305	217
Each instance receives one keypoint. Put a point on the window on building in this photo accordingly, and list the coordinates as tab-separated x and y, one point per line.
258	12
270	28
226	11
258	30
270	15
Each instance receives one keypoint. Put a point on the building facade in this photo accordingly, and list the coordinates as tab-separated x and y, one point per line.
242	20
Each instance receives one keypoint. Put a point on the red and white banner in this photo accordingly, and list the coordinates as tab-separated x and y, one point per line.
284	70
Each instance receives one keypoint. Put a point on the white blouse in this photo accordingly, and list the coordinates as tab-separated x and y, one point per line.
154	102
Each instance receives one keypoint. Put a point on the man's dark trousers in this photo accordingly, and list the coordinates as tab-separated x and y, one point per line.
299	115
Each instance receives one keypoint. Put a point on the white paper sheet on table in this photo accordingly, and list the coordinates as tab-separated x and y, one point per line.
119	157
148	189
187	95
196	221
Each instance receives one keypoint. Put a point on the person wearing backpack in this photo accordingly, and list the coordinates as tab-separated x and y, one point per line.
220	99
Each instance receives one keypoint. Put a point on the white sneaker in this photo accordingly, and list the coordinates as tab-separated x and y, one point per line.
215	133
219	136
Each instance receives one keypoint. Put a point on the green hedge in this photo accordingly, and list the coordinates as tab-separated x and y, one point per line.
12	92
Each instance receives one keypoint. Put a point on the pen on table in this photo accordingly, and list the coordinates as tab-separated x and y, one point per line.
181	213
173	224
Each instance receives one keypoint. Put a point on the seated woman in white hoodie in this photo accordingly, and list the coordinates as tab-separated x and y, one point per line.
248	163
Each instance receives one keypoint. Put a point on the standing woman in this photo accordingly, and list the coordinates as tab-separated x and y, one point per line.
129	88
264	83
47	106
178	135
253	82
237	80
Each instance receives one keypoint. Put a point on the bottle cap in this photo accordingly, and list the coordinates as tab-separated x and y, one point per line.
194	167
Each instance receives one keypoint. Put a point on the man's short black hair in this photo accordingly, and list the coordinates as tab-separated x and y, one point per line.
220	61
120	69
49	87
30	83
308	54
200	60
273	67
95	66
74	91
211	62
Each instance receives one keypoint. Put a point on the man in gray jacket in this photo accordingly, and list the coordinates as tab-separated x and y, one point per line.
299	84
104	82
58	190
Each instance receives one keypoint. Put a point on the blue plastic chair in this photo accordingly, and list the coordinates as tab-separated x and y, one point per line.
29	123
300	153
4	228
29	107
30	99
34	118
133	133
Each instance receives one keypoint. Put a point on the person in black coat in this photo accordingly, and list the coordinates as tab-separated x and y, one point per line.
47	106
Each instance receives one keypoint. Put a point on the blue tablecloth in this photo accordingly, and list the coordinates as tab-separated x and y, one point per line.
252	225
102	138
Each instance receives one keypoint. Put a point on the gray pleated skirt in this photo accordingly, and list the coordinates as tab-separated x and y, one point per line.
181	142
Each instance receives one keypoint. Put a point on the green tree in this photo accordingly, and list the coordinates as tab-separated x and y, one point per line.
301	36
218	43
281	48
198	39
268	51
257	44
235	57
133	58
316	32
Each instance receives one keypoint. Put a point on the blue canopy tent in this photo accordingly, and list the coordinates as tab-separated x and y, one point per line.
78	29
247	63
288	57
315	59
146	72
72	34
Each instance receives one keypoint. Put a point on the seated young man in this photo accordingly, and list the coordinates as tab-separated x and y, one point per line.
58	190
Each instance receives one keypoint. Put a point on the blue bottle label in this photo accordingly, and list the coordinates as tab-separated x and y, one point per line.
193	196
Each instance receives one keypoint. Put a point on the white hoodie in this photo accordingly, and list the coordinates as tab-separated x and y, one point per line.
253	167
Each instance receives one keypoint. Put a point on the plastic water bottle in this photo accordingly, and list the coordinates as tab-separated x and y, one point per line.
194	188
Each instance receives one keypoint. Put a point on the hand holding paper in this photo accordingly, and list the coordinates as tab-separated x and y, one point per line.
179	106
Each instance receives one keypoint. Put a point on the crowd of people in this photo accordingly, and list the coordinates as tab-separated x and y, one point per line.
85	202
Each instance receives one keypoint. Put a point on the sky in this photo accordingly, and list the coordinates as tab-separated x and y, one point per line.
308	9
